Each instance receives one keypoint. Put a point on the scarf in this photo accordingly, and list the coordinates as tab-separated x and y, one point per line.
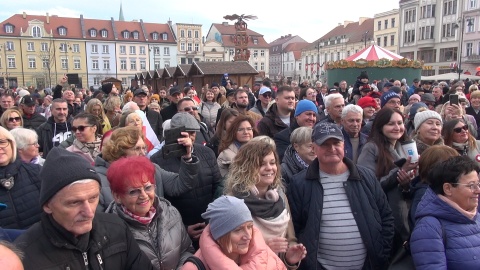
462	148
91	148
265	209
299	159
469	214
275	227
143	220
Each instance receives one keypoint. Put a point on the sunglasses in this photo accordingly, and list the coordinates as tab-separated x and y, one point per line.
16	119
193	108
459	129
267	95
80	128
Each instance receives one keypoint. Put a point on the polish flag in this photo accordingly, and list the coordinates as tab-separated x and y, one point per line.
151	139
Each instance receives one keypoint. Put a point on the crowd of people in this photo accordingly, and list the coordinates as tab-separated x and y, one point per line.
288	176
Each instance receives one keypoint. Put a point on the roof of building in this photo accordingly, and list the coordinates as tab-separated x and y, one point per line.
218	68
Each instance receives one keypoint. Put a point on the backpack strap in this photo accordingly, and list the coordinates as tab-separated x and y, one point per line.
195	260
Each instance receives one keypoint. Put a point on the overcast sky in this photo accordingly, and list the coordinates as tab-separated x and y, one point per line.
308	19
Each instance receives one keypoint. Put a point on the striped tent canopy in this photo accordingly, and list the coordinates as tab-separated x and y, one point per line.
374	52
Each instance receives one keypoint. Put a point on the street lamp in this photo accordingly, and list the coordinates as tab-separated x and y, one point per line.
462	29
318	59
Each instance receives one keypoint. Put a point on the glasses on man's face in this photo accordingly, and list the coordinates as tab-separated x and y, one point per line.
267	95
4	143
192	108
459	129
12	119
471	186
138	191
244	129
80	128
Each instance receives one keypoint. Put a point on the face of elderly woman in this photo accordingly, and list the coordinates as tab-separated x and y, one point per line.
305	151
135	120
240	238
430	130
30	151
138	199
465	191
138	150
14	121
5	151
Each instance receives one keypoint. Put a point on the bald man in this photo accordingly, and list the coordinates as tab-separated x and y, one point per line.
10	256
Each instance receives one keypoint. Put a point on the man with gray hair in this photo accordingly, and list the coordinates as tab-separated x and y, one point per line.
70	234
334	104
352	119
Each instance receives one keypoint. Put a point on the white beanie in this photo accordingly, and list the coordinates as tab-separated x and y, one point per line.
423	116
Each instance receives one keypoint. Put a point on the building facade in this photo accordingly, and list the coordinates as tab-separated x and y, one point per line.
189	42
386	30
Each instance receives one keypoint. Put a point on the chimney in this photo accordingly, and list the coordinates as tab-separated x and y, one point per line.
289	35
24	15
48	18
345	23
225	23
361	20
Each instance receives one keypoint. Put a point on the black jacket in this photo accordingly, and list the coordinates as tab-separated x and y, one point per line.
49	132
282	139
22	209
193	203
33	121
271	122
169	111
369	206
111	246
156	121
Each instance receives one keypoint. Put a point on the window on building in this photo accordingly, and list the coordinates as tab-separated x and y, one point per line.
196	34
409	36
197	47
44	47
182	33
45	62
9	28
164	36
123	64
262	52
156	50
94	48
157	64
11	62
379	41
255	41
426	32
448	30
10	46
189	47
155	36
393	22
386	24
96	81
106	64
167	64
255	66
133	64
182	47
470	23
379	25
450	7
166	51
62	31
428	56
410	15
76	48
392	40
104	48
427	11
143	64
104	33
126	34
32	63
95	64
189	34
124	81
36	32
76	63
135	35
93	32
142	50
385	39
255	53
469	48
123	49
472	3
30	47
64	63
133	50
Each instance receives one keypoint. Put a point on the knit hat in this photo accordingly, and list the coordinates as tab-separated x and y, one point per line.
107	88
225	214
363	75
305	105
367	101
416	96
184	119
414	109
387	96
61	168
421	117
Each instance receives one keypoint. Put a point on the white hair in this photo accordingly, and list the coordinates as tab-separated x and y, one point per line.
130	106
329	99
351	108
24	136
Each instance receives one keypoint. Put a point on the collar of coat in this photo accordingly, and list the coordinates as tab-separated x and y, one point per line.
313	169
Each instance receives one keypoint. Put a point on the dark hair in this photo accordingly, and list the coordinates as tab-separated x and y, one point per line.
91	120
384	159
303	92
226	114
450	171
183	100
447	133
231	134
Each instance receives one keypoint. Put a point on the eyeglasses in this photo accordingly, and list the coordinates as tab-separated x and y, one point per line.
472	186
80	128
459	129
312	94
4	143
139	149
267	95
244	129
138	191
34	144
16	119
193	108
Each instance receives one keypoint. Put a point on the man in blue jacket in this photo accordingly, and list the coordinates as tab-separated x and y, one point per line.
339	210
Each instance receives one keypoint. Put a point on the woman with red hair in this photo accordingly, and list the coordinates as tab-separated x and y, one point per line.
155	223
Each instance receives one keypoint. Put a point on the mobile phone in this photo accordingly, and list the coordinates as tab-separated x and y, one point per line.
171	147
454	99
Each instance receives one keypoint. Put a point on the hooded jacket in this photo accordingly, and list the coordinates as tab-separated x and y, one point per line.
258	257
435	221
165	240
271	123
52	134
33	121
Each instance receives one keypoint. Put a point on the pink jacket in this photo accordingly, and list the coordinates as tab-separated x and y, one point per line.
258	257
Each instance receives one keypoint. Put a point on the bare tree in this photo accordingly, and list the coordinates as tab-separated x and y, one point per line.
47	56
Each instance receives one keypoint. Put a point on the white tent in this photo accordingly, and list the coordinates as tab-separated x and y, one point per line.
450	76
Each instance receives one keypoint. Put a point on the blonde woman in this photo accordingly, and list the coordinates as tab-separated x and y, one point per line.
95	107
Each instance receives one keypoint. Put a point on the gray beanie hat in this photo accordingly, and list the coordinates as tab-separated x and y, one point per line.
184	119
61	168
423	116
225	214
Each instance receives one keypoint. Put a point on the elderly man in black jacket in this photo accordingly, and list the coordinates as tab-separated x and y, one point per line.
70	234
339	210
194	202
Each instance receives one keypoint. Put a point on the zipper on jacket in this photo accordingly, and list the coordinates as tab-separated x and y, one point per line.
100	261
85	259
